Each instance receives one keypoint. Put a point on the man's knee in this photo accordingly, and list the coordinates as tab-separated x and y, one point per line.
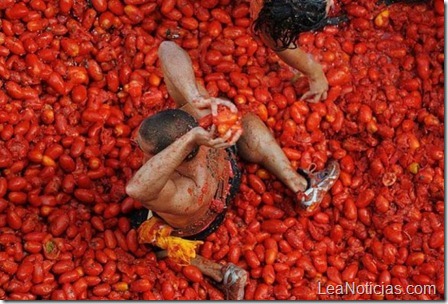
253	127
168	49
249	148
249	118
165	47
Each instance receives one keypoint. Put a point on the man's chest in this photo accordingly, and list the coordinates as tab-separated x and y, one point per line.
210	163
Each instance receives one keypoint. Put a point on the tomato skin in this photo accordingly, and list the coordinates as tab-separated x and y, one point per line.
192	273
350	272
313	121
67	163
63	266
234	254
167	290
357	10
436	240
85	195
56	82
102	289
59	225
13	219
131	240
365	198
256	183
393	233
261	292
338	77
43	289
274	226
24	271
423	68
69	276
251	259
33	247
167	6
272	212
77	147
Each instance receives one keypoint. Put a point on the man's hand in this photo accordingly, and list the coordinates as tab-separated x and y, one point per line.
318	90
212	103
207	138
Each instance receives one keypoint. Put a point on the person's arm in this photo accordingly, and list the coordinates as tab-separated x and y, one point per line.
154	176
304	63
153	179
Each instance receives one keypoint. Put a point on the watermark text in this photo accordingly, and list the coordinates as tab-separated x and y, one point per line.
375	289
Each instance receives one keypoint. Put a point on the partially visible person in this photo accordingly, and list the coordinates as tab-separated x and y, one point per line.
190	174
279	22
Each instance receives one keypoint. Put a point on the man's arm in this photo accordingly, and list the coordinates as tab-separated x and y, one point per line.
181	82
154	176
178	69
153	179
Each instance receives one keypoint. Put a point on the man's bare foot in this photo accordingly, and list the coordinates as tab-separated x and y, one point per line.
233	282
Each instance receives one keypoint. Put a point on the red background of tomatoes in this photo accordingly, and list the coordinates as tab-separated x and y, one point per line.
78	79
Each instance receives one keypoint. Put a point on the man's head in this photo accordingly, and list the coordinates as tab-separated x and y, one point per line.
284	20
162	129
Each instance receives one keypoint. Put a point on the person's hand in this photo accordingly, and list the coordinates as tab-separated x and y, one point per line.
254	8
330	6
206	138
318	90
212	103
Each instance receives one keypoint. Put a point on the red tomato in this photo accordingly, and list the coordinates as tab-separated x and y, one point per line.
192	273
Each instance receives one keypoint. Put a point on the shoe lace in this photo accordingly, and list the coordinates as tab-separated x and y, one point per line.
311	168
311	173
230	273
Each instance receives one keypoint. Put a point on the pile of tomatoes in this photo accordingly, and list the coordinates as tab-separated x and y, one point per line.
78	77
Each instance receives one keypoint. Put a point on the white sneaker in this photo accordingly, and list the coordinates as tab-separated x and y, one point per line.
234	282
319	184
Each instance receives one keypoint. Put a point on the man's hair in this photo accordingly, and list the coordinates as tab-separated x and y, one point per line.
284	20
162	129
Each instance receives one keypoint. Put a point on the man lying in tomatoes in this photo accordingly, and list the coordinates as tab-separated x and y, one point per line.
279	22
191	174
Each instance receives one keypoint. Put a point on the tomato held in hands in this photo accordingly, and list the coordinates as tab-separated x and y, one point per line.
224	121
227	120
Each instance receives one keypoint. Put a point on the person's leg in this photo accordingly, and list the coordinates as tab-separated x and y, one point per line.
258	145
232	278
179	77
178	72
208	268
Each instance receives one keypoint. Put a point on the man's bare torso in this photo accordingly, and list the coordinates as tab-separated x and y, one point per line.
206	170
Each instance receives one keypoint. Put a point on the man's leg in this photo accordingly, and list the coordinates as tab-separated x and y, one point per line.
179	77
258	145
232	278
